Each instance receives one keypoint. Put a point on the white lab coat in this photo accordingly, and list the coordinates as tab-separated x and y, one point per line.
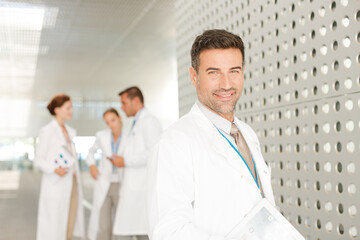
131	213
55	192
199	188
102	183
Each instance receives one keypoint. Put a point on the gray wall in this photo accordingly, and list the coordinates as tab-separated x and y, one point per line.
301	96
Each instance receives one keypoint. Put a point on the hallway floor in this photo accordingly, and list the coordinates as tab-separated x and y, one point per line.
19	194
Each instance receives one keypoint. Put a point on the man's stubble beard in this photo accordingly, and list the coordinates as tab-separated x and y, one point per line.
216	106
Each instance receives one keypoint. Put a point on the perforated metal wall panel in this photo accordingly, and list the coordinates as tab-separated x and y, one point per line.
301	96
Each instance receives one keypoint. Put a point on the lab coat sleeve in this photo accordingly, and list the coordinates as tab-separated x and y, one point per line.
171	193
151	131
43	160
90	160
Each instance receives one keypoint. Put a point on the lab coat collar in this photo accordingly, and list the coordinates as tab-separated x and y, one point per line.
220	122
139	115
213	134
221	146
70	131
106	143
263	171
252	143
58	130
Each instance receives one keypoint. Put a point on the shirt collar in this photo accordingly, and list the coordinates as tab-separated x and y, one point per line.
219	122
137	115
118	140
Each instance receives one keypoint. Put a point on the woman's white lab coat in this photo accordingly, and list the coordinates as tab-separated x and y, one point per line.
102	183
55	192
199	188
131	213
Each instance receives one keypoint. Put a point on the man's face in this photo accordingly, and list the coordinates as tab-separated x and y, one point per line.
220	79
127	105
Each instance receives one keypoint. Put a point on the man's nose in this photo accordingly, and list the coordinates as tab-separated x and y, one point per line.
224	81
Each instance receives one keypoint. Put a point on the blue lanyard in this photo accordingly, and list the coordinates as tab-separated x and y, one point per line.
237	151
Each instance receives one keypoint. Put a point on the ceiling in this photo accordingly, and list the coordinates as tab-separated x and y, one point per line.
89	49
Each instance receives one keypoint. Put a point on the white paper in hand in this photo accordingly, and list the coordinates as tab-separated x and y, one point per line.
63	158
264	222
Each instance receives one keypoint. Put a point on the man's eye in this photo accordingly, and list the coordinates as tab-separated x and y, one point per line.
213	73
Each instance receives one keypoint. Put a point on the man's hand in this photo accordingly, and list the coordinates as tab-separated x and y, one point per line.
118	161
61	171
94	172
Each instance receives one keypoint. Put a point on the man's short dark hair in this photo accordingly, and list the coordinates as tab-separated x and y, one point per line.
133	92
215	39
110	110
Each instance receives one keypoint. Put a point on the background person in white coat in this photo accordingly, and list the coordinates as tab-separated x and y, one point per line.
207	171
145	132
60	213
108	177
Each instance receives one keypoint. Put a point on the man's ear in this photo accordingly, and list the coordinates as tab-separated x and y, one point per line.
193	76
136	100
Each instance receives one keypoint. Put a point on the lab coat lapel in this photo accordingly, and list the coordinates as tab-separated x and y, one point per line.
71	134
122	143
106	144
138	122
62	140
59	133
120	152
264	173
250	141
221	146
262	169
219	143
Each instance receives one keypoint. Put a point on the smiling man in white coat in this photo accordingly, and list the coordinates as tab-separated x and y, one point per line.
144	133
207	171
107	176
